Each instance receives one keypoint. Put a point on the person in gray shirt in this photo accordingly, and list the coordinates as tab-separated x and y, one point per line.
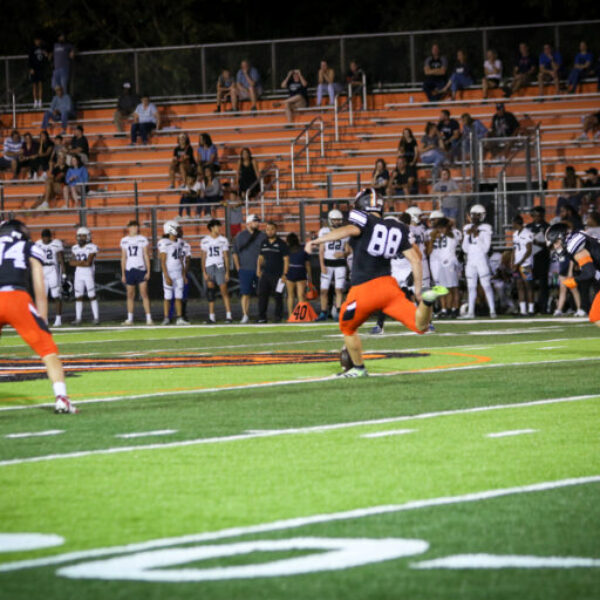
246	248
61	108
62	54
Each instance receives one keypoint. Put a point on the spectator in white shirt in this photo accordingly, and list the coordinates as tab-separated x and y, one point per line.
146	119
492	69
13	151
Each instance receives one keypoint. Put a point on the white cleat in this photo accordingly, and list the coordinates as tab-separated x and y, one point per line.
166	321
353	373
580	313
127	322
57	323
63	406
467	316
181	321
245	319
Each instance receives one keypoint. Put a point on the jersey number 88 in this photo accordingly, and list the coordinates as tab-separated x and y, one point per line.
384	242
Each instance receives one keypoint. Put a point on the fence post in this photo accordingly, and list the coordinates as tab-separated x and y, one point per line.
154	235
307	146
321	128
538	151
413	64
302	221
335	119
136	72
83	211
136	200
292	169
330	184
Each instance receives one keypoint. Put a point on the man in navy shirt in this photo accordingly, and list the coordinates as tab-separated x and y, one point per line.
550	64
523	71
62	54
450	131
273	263
435	69
581	68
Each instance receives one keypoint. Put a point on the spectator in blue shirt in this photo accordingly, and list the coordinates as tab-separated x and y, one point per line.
550	64
582	67
61	109
62	54
76	178
460	78
248	83
472	128
208	155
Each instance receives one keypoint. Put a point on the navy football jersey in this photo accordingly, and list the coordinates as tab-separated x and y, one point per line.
14	261
380	240
579	241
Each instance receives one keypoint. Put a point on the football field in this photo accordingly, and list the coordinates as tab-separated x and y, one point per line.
227	462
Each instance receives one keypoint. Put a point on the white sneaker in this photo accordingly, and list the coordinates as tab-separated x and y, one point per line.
580	313
43	206
245	319
165	321
149	322
127	322
493	316
57	322
467	316
64	406
181	321
558	313
353	373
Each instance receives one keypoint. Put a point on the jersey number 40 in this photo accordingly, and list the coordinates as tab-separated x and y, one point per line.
384	242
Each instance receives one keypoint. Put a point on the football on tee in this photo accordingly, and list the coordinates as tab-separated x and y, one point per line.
345	359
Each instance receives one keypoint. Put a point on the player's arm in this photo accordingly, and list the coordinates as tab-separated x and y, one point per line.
39	287
147	263
60	257
286	266
259	265
337	234
226	259
163	266
588	270
236	257
413	255
322	258
204	254
89	261
123	262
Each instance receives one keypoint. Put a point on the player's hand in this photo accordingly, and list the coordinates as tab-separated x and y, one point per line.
284	278
168	280
226	277
308	247
185	280
123	279
147	276
569	282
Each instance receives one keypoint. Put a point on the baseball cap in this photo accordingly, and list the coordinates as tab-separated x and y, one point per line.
252	219
127	85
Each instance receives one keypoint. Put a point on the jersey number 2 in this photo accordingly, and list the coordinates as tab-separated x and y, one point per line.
384	242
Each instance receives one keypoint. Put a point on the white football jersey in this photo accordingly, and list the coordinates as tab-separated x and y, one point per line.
520	241
134	250
83	253
215	249
332	248
50	252
477	247
421	235
443	250
186	249
174	253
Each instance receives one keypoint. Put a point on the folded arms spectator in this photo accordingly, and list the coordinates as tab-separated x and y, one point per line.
404	179
296	86
61	109
550	64
146	120
226	90
582	67
126	104
492	72
12	152
248	83
435	69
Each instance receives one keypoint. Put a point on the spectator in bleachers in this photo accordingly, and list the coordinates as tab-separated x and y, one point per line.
248	83
450	132
524	70
183	162
126	104
61	109
78	146
432	149
591	125
59	148
326	83
146	120
435	69
504	125
226	90
492	72
582	67
408	147
460	79
471	128
380	177
247	174
298	273
233	204
38	58
29	150
192	194
62	55
208	155
593	225
592	180
549	68
12	151
403	181
76	179
54	183
354	78
541	256
213	192
571	182
296	86
42	160
449	201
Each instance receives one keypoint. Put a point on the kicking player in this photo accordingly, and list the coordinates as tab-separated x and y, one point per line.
20	258
522	265
375	241
54	270
476	244
332	258
215	268
170	251
583	250
83	256
135	269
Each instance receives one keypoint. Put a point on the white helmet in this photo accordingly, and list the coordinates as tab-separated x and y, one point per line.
84	231
170	227
335	215
415	214
477	210
436	214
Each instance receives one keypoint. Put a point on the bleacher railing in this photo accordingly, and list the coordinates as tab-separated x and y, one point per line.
318	124
192	70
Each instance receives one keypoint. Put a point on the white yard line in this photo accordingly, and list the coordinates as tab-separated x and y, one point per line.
379	434
140	434
500	434
295	523
294	431
29	434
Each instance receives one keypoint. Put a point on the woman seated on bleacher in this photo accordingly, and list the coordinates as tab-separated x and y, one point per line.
247	174
460	79
28	155
432	152
54	182
208	154
76	180
380	177
42	160
408	147
182	163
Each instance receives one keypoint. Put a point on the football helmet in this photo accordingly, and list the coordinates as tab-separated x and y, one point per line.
436	214
335	218
15	228
556	232
66	289
415	214
85	234
171	228
369	200
477	213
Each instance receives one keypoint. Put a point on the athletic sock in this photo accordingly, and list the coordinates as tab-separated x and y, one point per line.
212	317
95	311
130	316
531	307
60	388
523	307
78	310
228	315
148	317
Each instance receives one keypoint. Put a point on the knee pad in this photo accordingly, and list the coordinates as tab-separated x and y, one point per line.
211	293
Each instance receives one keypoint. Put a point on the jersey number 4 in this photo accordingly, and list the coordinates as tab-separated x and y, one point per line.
16	253
384	242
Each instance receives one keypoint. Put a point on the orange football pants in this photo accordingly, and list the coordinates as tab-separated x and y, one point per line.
595	309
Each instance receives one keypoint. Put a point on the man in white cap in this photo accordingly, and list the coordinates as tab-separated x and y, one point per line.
125	106
246	248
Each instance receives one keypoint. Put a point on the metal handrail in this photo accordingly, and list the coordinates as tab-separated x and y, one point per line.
261	182
305	147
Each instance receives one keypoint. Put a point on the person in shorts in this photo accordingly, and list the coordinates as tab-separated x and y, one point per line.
215	269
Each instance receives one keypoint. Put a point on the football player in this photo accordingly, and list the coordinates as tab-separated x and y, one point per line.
20	258
476	243
583	250
332	258
215	268
135	269
421	236
186	249
170	251
54	270
375	240
522	265
83	254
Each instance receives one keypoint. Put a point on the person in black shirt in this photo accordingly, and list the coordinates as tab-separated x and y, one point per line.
435	70
78	146
298	273
54	183
504	125
408	147
404	179
375	241
450	131
380	177
296	86
183	162
45	149
541	256
523	72
273	263
354	78
38	58
126	105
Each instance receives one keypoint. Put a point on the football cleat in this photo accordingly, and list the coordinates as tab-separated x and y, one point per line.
127	322
245	319
166	321
353	373
63	406
432	294
376	330
181	321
